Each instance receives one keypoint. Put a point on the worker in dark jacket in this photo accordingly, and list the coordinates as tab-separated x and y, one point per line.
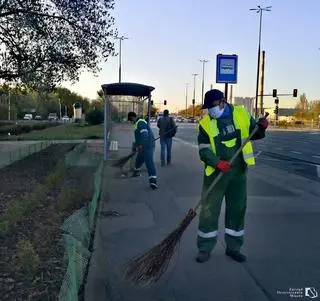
221	133
145	145
167	130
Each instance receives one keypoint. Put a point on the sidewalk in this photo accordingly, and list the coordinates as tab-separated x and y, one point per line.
282	240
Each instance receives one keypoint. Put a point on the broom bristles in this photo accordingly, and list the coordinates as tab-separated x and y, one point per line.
150	266
123	160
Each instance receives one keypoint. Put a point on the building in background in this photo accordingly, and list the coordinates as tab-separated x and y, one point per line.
247	102
285	114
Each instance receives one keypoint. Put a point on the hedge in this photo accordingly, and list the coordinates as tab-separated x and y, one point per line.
18	129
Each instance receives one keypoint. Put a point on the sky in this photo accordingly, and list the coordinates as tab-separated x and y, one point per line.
168	38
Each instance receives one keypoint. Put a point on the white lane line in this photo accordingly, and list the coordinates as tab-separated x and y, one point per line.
317	157
185	142
318	170
294	152
278	148
258	154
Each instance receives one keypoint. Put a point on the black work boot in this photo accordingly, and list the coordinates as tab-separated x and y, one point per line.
153	183
202	257
236	255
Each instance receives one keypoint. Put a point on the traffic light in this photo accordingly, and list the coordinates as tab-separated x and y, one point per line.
274	93
276	110
295	92
151	102
276	101
193	101
165	102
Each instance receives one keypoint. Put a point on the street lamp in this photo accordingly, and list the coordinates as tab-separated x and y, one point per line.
120	42
259	10
187	100
203	62
194	91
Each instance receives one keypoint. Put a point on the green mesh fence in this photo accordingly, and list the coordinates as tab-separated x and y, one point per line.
78	228
10	156
77	257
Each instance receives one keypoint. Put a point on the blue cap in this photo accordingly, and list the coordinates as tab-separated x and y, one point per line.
210	97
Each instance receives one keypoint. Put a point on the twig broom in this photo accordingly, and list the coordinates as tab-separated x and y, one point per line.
150	266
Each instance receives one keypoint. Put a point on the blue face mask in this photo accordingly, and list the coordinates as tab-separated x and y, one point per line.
216	112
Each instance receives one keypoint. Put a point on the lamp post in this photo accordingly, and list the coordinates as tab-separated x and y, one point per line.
203	63
120	42
194	92
259	10
187	84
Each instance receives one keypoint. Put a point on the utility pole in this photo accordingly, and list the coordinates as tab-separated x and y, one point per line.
262	82
194	92
259	10
203	63
60	107
9	106
186	100
120	42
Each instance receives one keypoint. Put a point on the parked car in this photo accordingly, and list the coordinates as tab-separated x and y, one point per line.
27	117
37	117
52	116
65	119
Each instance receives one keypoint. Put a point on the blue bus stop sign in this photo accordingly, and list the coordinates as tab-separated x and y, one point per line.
227	69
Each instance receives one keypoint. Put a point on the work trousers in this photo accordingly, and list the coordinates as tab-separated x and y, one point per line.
166	145
233	187
146	156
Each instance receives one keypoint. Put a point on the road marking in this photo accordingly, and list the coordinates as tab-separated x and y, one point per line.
278	148
294	152
185	142
258	154
113	145
317	157
318	170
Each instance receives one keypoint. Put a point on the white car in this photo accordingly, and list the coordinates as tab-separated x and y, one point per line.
65	119
27	117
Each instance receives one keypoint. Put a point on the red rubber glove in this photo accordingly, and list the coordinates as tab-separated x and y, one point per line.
263	122
224	166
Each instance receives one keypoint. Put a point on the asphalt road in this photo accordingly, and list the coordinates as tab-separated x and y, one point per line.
297	152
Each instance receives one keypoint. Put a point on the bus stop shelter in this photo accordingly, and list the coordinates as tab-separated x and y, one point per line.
122	98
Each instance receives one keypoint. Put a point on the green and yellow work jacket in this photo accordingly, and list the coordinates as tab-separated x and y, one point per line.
219	139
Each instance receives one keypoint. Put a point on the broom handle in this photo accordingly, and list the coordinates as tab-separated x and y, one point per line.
166	132
217	179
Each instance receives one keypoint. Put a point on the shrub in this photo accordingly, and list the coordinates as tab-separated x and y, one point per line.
95	117
27	258
33	199
66	199
14	212
4	227
52	179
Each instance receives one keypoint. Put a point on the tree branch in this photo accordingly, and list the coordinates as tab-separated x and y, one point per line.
25	11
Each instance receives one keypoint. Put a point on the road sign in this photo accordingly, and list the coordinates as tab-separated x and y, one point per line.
227	69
